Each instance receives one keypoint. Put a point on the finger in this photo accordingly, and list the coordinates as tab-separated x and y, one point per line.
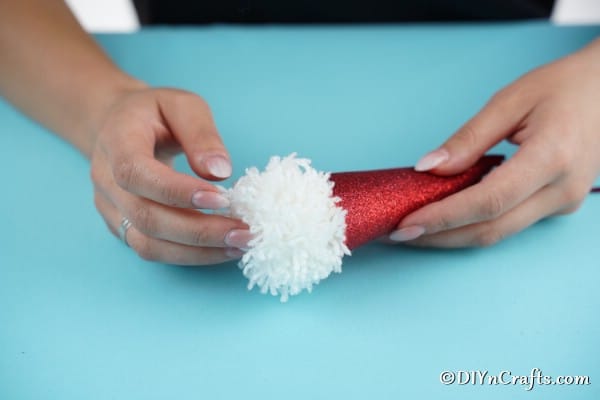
183	226
502	189
498	119
134	169
179	225
160	250
190	121
542	204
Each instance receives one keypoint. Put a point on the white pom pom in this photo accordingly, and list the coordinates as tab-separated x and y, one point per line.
298	229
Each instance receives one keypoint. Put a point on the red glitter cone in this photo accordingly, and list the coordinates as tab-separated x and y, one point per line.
376	201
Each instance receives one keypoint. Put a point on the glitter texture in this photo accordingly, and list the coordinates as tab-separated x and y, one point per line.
376	201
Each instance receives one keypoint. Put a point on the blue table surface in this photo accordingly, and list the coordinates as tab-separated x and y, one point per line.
82	317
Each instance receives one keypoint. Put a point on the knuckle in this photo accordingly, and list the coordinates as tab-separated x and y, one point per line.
569	209
201	236
184	98
489	237
545	159
570	196
500	97
505	97
561	160
97	201
95	175
503	101
171	196
143	219
145	250
466	137
441	223
491	206
574	194
125	173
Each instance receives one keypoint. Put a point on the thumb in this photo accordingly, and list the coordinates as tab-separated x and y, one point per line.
498	119
190	121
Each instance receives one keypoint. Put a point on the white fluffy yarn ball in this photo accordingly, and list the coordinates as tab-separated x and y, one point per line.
298	229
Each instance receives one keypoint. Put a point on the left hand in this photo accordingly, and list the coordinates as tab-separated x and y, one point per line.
553	115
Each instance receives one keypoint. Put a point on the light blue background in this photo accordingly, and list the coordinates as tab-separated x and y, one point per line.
82	317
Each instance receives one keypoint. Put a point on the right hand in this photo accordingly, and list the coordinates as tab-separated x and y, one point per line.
131	168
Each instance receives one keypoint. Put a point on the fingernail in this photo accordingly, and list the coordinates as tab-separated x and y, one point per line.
432	160
218	166
408	233
209	200
233	253
238	238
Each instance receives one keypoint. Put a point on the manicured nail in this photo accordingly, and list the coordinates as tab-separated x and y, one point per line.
218	166
408	233
209	200
238	238
432	160
233	253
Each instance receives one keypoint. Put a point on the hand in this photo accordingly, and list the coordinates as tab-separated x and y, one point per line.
552	114
133	178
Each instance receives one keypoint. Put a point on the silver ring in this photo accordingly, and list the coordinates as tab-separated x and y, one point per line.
125	225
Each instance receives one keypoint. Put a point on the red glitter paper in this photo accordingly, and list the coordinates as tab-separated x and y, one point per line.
376	201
